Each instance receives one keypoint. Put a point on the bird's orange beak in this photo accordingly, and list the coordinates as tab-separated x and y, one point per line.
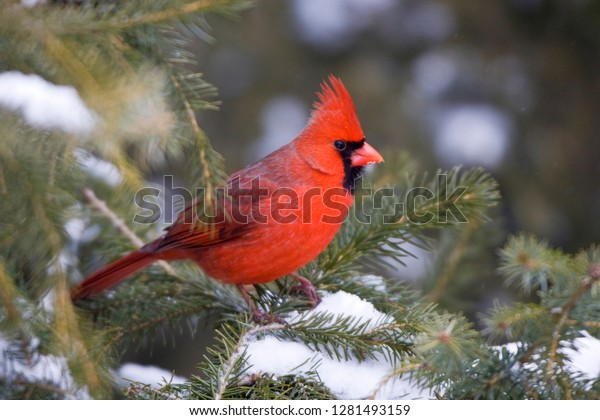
365	156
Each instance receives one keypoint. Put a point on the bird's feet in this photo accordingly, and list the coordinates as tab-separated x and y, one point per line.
259	316
306	287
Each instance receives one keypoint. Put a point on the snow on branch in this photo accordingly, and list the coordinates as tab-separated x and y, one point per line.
45	105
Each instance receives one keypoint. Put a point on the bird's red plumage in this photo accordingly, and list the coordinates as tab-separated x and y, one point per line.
289	225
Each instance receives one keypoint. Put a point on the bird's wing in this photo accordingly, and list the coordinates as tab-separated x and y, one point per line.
249	192
230	215
191	231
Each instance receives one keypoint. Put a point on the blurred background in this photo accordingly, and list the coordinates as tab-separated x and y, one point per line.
510	85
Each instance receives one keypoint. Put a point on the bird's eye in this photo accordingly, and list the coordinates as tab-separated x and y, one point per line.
339	144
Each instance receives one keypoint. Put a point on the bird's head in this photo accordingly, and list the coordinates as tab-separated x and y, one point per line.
333	141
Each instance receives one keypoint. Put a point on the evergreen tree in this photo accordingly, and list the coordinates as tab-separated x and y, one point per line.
129	63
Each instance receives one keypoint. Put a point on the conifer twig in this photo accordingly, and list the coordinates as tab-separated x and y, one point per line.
395	374
64	57
163	15
41	386
522	360
120	224
590	324
565	310
228	367
122	332
452	263
71	337
3	188
199	135
6	293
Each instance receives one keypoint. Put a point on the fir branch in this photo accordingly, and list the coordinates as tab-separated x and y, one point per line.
27	390
224	367
446	343
61	55
175	12
530	263
120	332
227	371
201	142
585	285
116	220
48	226
465	194
452	263
124	17
587	324
141	391
388	231
345	337
295	387
7	293
397	373
520	321
539	366
71	341
131	173
3	187
136	309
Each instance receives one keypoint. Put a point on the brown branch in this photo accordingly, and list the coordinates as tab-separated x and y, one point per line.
586	283
589	324
71	337
63	56
46	387
161	16
3	187
122	226
200	138
452	264
6	293
116	220
522	360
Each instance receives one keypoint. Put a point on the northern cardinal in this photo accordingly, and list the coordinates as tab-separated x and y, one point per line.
281	213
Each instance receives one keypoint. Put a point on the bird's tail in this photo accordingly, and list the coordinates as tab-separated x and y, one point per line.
113	273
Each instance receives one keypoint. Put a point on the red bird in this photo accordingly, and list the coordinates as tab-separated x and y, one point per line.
281	212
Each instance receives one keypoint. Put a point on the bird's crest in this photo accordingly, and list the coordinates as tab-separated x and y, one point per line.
334	115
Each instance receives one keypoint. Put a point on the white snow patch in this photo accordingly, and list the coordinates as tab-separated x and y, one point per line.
347	379
75	228
79	232
345	304
151	375
31	3
585	356
99	168
279	357
66	259
48	300
44	104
